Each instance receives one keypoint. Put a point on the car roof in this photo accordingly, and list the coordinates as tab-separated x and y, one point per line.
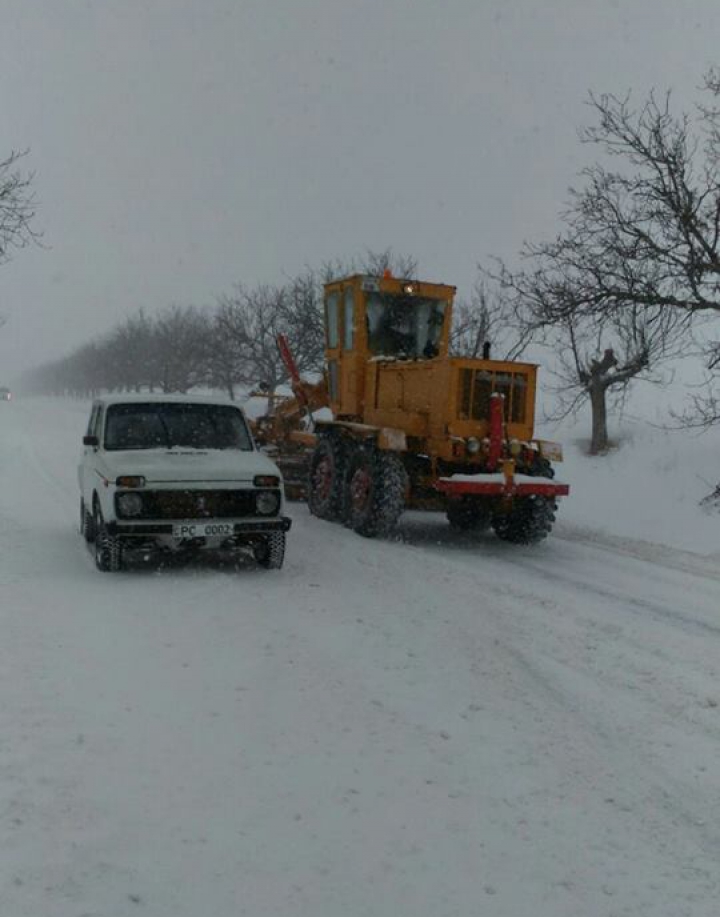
166	399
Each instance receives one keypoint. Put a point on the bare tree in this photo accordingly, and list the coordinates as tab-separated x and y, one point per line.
598	359
488	323
225	359
644	235
180	348
251	319
301	313
372	263
17	206
132	355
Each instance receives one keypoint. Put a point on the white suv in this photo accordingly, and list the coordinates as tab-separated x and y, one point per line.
177	473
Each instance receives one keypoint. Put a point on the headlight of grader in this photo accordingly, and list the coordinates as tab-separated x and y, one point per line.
472	444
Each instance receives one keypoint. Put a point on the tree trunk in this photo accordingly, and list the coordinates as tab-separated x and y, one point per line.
598	404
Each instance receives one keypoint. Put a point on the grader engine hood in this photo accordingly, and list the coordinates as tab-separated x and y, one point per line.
475	383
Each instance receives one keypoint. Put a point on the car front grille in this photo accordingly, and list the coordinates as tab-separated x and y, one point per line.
194	504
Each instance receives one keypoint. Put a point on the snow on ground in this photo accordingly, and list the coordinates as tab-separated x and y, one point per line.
647	487
432	726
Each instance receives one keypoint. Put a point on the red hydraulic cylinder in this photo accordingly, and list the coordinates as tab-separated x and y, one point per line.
496	430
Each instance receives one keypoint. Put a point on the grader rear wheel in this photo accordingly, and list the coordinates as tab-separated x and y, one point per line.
529	521
375	486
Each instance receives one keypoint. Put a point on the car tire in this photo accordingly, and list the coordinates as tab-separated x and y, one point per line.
87	524
271	553
108	548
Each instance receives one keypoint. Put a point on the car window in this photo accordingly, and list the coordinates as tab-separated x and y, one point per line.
91	422
171	425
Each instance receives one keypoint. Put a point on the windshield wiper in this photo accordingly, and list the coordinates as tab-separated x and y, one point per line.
168	438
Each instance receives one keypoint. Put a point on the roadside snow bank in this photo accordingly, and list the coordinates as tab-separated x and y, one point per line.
649	487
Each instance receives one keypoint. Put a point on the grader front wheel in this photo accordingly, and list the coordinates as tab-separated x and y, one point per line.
528	521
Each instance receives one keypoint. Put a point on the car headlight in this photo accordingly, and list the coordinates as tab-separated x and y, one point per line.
130	504
267	502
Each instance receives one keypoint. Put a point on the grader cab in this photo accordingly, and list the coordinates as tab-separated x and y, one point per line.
412	426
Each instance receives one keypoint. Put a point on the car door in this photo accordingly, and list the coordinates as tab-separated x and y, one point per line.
87	459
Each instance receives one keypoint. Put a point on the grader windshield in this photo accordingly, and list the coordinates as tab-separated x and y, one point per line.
404	326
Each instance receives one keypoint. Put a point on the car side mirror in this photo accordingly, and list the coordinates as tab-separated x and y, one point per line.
91	441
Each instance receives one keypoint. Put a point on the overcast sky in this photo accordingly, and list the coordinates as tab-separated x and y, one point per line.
181	146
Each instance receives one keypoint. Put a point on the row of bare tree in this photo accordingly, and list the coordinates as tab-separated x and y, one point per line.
181	347
232	344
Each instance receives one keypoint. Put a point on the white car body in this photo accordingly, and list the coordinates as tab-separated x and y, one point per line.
191	497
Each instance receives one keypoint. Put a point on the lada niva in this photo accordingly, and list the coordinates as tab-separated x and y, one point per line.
179	474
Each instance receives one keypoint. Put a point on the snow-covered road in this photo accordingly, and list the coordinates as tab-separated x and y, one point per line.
434	726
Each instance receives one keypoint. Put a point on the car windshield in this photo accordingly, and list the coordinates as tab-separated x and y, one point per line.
168	425
404	326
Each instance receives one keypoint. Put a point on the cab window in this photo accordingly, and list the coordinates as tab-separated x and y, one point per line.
348	323
332	320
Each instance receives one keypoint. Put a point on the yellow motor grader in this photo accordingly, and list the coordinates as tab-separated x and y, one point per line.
409	425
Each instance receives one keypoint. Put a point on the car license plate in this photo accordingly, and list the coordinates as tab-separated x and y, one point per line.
202	529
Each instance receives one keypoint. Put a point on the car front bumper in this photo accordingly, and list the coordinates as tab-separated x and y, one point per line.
150	528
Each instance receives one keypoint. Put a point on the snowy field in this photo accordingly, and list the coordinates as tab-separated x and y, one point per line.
433	726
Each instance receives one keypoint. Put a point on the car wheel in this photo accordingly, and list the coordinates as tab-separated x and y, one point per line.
108	549
271	553
87	524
